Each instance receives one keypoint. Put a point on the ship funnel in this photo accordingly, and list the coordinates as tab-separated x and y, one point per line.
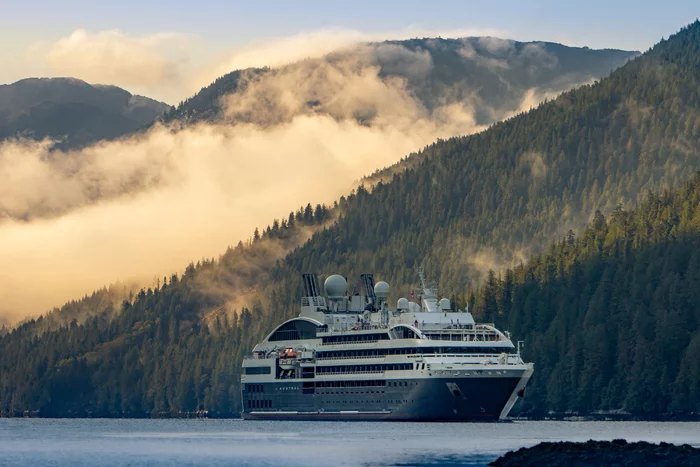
335	286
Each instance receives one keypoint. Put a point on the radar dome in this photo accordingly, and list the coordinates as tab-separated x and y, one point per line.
445	304
413	307
381	290
335	286
402	304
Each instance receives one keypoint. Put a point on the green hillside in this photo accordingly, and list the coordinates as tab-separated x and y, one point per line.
465	205
612	317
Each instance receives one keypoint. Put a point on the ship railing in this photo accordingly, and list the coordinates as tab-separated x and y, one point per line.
360	343
449	330
315	301
452	337
481	328
351	357
511	359
462	335
413	356
345	327
335	373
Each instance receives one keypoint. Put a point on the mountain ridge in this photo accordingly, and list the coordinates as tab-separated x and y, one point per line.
460	66
109	111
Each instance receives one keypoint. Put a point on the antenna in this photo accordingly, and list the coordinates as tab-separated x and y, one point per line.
421	274
429	290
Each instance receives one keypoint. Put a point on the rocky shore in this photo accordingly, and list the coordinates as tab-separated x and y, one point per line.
601	453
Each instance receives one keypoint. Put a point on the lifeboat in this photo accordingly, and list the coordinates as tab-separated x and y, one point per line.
288	358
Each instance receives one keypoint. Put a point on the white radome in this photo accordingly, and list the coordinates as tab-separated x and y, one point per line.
335	286
381	290
402	304
445	304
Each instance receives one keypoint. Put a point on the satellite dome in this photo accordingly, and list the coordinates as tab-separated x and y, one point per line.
445	304
335	286
402	304
413	307
381	290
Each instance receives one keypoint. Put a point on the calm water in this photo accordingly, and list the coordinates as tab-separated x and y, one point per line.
263	443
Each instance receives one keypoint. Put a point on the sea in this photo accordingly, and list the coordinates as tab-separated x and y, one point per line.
132	442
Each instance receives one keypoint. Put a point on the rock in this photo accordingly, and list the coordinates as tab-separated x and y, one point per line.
609	453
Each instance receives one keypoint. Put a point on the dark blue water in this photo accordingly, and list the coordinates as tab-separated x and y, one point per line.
263	443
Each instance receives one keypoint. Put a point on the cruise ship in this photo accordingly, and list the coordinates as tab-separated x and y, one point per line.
352	357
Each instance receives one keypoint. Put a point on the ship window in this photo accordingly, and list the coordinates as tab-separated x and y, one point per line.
403	332
356	338
258	370
296	329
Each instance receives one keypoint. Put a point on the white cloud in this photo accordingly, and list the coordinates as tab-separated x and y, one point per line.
108	57
172	66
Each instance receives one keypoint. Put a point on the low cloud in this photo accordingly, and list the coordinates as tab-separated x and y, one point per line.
115	57
215	184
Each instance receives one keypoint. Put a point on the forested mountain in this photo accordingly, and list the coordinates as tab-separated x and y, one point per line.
466	205
490	77
72	110
612	317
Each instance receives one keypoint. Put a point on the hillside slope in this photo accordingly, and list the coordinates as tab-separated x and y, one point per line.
611	318
478	202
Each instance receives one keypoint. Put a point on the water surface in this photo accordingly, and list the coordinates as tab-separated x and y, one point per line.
102	442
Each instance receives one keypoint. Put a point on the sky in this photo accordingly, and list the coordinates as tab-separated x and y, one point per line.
169	49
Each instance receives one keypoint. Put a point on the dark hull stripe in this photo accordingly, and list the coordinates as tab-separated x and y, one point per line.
366	417
433	399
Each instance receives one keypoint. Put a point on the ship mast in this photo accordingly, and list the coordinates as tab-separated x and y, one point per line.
429	293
